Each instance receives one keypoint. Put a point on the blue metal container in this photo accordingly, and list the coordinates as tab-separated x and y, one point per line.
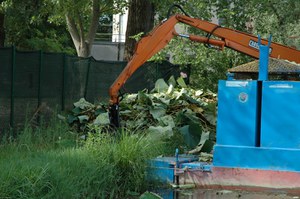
162	168
280	126
237	113
265	158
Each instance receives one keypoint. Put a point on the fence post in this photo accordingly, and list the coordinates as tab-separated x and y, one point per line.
40	78
87	78
12	88
63	82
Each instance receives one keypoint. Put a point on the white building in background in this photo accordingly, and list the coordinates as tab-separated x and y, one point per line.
110	38
119	27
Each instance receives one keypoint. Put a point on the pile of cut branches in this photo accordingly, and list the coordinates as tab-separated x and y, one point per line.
170	107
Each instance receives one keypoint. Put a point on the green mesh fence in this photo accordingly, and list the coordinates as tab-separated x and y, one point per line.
6	65
29	80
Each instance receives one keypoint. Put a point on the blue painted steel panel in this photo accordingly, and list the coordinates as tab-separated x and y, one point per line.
162	168
204	166
161	174
280	126
171	161
263	62
237	113
278	159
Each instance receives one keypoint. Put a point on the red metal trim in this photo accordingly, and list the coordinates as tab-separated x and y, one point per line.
243	179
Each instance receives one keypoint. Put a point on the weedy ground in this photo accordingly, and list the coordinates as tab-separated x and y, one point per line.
52	162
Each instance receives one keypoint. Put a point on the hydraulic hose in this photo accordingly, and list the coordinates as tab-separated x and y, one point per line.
177	6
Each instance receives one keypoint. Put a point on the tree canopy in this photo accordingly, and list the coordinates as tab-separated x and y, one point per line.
61	25
82	19
27	26
45	24
279	18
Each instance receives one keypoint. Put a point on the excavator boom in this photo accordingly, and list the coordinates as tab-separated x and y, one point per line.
164	32
241	41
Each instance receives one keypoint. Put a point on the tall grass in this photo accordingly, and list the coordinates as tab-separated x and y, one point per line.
128	157
48	162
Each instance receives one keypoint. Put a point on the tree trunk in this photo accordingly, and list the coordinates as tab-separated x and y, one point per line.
2	30
83	49
83	41
140	19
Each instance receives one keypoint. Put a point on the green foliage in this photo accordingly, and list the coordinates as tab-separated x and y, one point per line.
137	36
41	25
71	7
168	109
279	18
128	155
27	27
194	8
54	134
82	19
207	65
84	114
37	165
149	195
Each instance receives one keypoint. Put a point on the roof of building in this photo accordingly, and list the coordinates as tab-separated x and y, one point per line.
275	66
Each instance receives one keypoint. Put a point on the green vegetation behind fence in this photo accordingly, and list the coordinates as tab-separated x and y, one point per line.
29	79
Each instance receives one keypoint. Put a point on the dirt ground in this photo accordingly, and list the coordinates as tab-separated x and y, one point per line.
225	194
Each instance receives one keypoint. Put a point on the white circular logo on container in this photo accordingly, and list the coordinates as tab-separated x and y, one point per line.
243	97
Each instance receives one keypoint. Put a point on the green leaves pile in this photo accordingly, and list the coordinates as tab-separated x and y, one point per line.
85	115
171	107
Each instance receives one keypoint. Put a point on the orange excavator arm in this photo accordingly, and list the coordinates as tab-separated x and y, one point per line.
164	32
